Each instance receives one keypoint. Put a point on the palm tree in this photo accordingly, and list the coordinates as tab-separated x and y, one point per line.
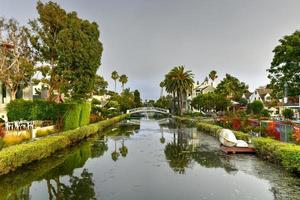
162	85
123	79
179	81
213	76
115	76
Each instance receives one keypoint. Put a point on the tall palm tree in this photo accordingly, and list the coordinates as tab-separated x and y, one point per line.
162	85
115	76
213	76
179	81
123	79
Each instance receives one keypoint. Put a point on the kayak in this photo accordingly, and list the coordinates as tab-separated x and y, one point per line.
227	138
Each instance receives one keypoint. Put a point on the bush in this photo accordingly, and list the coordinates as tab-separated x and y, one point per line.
85	114
265	113
45	132
255	107
16	156
288	113
288	155
72	116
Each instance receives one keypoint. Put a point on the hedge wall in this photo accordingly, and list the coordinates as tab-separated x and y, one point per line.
18	155
286	154
72	116
85	114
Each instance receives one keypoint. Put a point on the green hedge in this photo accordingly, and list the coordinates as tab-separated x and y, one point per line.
85	114
288	155
72	116
18	155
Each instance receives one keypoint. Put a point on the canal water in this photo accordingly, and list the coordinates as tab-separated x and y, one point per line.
148	159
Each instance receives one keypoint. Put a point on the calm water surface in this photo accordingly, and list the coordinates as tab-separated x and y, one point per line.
150	159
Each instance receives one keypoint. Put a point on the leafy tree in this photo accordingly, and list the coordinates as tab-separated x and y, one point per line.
255	107
179	81
16	63
115	76
213	75
70	49
123	80
265	113
137	98
100	85
231	87
164	102
285	67
288	113
243	101
125	100
210	101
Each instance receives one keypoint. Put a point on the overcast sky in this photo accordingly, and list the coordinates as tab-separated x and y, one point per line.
144	39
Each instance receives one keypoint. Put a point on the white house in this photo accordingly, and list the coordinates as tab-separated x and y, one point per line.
261	94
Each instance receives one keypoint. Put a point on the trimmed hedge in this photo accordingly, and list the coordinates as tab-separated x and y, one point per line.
16	156
288	155
72	116
85	114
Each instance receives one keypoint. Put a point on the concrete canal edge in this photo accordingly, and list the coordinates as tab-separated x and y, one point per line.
285	154
18	155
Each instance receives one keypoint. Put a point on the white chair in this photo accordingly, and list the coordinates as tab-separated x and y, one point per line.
30	125
17	125
8	126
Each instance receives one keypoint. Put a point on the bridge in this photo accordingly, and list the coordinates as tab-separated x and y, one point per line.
148	109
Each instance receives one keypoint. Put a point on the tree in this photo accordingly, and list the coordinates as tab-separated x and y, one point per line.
69	47
161	85
210	101
213	76
16	63
123	79
231	87
164	102
115	76
179	81
288	113
285	67
255	107
137	98
100	85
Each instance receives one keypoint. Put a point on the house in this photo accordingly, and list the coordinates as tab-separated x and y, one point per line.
292	103
261	94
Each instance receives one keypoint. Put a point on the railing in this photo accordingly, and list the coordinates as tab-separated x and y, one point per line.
148	109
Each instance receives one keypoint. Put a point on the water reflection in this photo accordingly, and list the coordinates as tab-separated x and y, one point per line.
147	159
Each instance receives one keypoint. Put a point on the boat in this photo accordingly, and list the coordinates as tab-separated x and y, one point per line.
227	138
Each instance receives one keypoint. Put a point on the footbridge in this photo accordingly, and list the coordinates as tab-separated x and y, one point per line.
148	109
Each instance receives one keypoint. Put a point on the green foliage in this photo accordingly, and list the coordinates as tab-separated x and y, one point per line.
265	113
288	155
164	102
179	81
115	76
210	101
137	98
72	116
18	155
255	107
34	110
288	113
125	100
100	85
44	132
85	114
71	48
285	66
243	101
231	87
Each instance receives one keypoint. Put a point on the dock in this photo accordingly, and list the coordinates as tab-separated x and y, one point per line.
235	150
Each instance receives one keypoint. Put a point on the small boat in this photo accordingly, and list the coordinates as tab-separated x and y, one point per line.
227	138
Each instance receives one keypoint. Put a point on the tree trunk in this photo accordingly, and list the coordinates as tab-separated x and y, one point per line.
13	93
179	103
115	86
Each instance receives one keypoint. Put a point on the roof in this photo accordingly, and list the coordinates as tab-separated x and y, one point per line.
248	94
262	92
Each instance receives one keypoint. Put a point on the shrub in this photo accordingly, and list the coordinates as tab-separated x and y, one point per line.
288	155
288	113
265	113
10	140
16	156
72	116
255	107
85	114
45	132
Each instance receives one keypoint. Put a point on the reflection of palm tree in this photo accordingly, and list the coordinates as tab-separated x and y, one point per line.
115	155
178	154
123	150
162	139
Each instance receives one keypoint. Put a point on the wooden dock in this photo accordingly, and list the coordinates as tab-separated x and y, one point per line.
235	150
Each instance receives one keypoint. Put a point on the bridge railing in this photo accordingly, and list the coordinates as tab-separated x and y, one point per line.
147	109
